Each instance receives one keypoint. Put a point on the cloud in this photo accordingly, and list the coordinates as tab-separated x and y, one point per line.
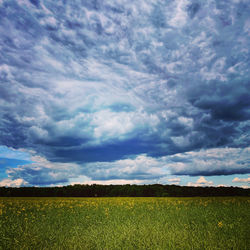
210	162
93	81
207	162
241	180
201	182
13	183
43	172
175	181
140	168
137	169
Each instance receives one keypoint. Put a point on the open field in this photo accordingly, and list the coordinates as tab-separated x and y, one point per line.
125	223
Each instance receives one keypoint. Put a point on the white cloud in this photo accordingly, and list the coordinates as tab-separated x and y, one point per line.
141	168
201	182
50	21
175	181
6	72
214	161
239	180
44	172
106	182
108	125
181	141
179	15
13	183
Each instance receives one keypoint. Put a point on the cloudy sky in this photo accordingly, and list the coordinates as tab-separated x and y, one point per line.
124	91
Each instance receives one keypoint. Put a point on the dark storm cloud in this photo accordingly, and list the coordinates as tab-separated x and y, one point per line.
224	101
100	81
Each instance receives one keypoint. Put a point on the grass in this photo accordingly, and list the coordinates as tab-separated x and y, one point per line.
125	223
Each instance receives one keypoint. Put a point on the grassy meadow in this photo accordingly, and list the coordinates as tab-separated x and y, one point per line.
125	223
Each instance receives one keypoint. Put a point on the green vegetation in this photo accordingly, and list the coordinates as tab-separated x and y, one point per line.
154	190
125	223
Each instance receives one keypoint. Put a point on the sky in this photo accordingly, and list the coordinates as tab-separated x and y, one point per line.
124	91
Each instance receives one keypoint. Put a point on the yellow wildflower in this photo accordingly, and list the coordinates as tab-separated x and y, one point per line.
220	224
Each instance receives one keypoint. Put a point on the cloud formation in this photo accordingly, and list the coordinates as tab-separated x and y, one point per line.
139	169
201	182
13	183
98	87
174	181
42	172
210	162
241	180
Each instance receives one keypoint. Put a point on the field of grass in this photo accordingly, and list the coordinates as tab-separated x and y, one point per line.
125	223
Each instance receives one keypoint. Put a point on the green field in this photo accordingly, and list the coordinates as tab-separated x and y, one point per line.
125	223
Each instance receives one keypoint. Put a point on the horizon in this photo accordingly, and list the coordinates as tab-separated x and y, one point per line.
124	92
127	184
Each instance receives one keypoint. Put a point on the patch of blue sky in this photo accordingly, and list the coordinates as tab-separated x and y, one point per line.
11	158
11	153
6	163
215	181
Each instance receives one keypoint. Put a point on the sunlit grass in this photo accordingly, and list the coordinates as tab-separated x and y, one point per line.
124	223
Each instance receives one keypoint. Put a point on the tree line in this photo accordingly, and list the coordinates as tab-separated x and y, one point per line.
94	190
